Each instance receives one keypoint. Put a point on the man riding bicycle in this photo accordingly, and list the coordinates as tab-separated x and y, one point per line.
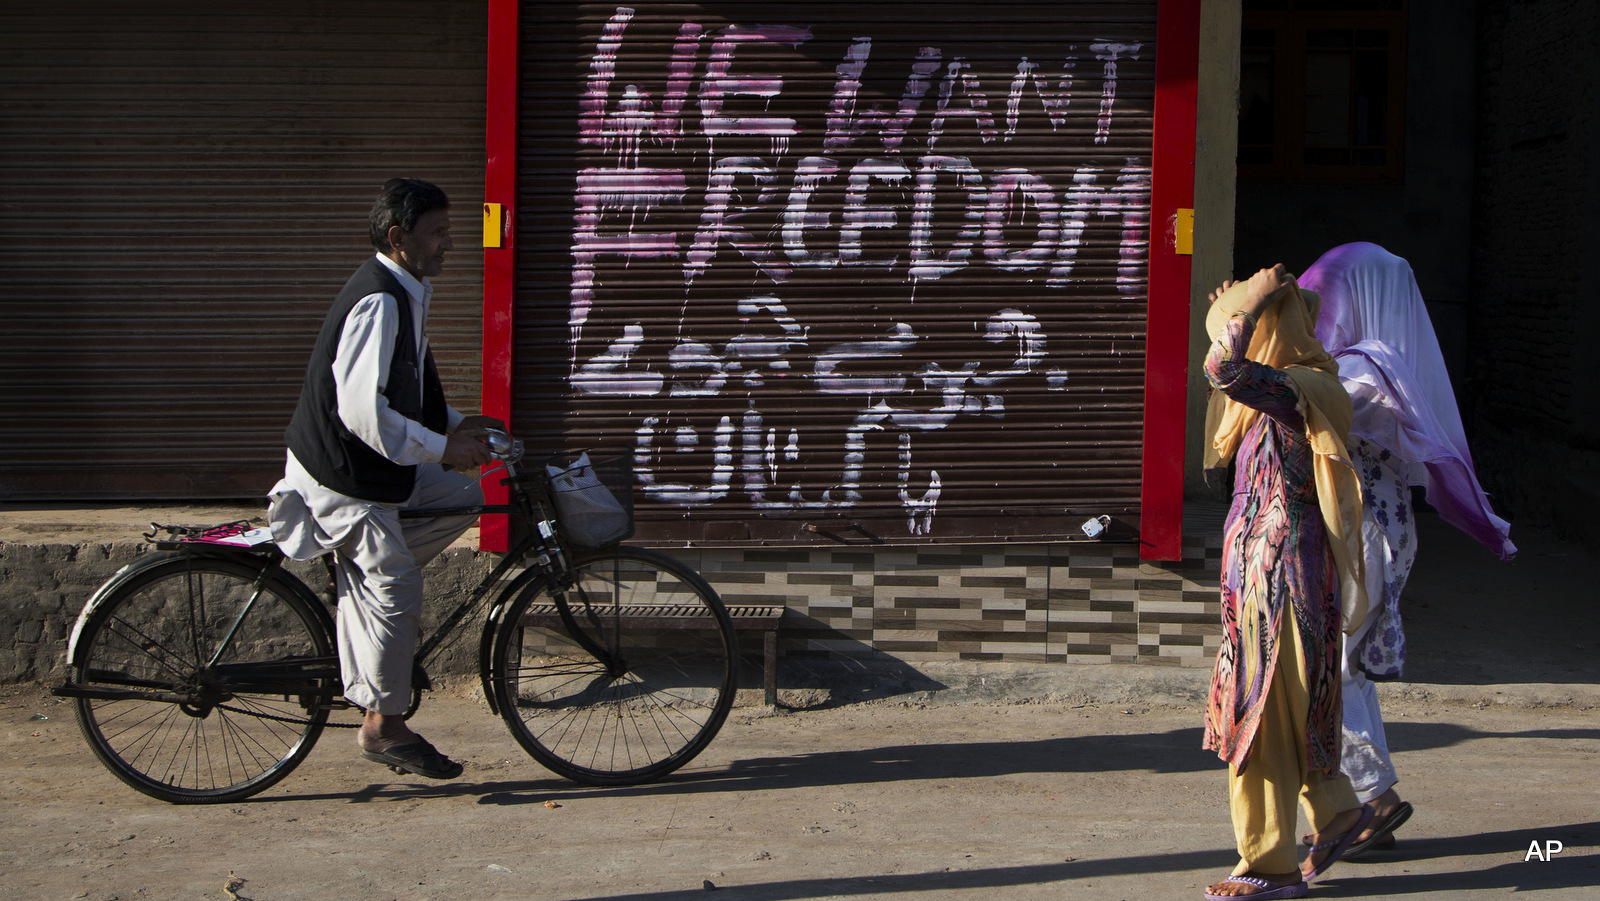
372	434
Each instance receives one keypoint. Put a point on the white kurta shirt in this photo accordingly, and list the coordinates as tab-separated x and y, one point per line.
361	363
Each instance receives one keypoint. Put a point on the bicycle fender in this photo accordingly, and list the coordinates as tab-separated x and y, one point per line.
99	596
491	625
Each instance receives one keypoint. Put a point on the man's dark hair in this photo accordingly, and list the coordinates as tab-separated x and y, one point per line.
402	202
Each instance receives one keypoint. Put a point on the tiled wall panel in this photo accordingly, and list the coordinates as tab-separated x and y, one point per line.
1063	603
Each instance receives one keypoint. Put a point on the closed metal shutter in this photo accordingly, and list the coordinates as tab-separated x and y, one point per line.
840	271
183	189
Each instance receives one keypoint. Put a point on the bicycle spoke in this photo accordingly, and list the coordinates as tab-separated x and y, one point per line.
229	736
172	723
145	649
199	749
248	749
268	711
159	720
575	716
129	711
547	690
666	714
267	727
619	737
575	670
612	719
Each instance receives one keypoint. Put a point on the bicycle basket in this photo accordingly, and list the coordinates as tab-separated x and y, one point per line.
593	497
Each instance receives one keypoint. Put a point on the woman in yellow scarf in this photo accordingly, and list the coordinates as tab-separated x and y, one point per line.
1290	581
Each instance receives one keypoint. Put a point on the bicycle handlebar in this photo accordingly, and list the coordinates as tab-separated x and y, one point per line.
502	446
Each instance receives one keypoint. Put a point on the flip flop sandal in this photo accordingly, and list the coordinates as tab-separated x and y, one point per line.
1270	890
418	758
1382	837
1339	844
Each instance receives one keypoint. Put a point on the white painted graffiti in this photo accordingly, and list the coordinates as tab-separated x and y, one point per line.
856	202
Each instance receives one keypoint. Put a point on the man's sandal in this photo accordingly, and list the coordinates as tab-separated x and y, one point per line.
418	758
1269	890
1338	845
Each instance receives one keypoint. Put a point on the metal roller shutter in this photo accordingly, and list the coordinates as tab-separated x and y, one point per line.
860	271
183	189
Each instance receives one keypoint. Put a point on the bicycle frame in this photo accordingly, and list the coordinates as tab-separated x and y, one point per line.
550	561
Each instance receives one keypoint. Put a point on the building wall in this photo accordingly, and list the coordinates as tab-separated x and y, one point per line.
1079	602
1426	218
1535	302
1215	189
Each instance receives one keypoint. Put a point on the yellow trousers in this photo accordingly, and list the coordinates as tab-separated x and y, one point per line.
1262	798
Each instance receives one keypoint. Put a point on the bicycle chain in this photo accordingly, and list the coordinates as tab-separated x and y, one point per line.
284	719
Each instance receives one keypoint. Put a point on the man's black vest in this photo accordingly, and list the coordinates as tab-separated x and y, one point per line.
331	453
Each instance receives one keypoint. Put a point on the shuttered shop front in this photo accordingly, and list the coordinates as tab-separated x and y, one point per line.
839	272
183	189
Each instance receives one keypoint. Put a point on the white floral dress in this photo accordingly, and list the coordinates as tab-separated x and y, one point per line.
1390	531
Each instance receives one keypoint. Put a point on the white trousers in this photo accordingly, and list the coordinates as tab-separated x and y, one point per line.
1364	751
379	566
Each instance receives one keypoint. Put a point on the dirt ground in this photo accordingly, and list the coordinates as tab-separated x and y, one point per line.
879	800
1025	789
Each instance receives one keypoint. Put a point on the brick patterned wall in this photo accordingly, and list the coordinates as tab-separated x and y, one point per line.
1063	603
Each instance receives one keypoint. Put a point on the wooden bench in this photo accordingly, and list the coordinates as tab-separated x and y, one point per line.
746	618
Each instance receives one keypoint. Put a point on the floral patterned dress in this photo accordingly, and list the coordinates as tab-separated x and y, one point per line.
1275	561
1390	540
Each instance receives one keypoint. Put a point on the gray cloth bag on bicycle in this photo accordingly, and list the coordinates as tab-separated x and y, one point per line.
590	514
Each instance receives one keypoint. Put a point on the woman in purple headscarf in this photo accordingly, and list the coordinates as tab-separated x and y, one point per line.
1406	432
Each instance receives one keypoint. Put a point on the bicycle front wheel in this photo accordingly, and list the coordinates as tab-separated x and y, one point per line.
180	720
622	678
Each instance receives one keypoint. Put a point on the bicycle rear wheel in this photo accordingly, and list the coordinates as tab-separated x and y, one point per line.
177	721
622	678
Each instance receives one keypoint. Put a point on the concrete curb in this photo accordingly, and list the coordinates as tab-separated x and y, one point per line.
43	586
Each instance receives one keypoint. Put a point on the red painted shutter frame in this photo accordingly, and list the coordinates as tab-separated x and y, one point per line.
1167	331
499	263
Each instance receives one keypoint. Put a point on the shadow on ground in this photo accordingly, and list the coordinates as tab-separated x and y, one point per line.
1173	751
1343	882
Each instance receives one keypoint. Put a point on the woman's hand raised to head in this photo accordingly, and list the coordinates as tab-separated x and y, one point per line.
1264	289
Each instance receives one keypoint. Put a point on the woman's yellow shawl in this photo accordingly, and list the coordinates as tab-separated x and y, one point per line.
1285	339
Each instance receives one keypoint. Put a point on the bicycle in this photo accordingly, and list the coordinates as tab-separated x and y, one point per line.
206	672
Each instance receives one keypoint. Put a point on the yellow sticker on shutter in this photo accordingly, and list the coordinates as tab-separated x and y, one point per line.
493	224
1183	233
